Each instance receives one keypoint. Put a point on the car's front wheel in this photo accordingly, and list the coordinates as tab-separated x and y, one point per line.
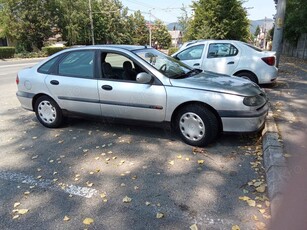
48	112
196	125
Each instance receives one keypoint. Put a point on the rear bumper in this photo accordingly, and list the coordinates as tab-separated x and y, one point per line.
25	100
247	123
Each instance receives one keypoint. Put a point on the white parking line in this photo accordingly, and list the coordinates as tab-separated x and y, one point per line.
48	184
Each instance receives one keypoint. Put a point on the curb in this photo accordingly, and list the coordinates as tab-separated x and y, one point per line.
274	162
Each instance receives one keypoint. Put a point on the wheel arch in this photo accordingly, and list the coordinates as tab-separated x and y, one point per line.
246	71
179	107
38	96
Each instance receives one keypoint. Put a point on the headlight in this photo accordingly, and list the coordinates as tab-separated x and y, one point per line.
257	100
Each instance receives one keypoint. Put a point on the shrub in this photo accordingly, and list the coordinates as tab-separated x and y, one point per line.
30	54
172	50
49	50
7	52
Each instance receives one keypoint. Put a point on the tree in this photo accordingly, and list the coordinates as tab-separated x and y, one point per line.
29	22
219	19
161	35
257	31
137	28
295	20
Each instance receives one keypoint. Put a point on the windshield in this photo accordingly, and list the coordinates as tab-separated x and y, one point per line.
168	66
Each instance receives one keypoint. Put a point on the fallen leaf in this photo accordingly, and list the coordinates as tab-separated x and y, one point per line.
200	161
34	157
26	193
147	203
262	211
179	156
66	218
88	221
15	217
193	227
245	198
127	199
235	227
122	185
171	162
267	203
89	184
23	211
103	195
258	183
260	225
251	203
187	159
16	204
261	188
159	215
136	187
255	218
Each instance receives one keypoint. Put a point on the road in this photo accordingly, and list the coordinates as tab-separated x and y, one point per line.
86	169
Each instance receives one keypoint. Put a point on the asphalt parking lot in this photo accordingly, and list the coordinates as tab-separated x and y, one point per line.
121	175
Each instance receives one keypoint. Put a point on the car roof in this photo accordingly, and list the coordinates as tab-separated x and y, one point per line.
122	47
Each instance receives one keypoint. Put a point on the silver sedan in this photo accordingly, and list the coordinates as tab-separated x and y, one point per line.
140	83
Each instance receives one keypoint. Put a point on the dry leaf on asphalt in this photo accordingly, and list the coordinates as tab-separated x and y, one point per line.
147	203
159	215
15	217
235	227
260	226
251	203
88	221
66	218
16	204
127	199
22	211
193	227
200	161
171	162
261	188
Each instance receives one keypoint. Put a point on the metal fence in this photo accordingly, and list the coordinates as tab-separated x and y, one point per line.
300	50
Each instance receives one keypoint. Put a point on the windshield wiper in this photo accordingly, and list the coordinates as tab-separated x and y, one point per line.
190	73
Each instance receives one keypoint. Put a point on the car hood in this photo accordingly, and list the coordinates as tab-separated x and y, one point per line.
219	83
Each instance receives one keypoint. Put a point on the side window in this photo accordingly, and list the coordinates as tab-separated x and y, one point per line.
117	66
191	53
46	67
217	50
78	64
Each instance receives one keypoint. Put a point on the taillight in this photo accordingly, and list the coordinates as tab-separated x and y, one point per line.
269	60
17	80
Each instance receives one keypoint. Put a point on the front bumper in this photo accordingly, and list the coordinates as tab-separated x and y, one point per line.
246	124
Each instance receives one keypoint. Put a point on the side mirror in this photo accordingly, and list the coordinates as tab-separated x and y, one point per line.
144	78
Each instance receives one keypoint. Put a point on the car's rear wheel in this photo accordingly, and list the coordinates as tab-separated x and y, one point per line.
247	75
196	125
48	112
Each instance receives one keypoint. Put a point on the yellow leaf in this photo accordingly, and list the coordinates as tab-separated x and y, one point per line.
127	199
235	227
66	218
200	161
260	226
159	215
88	221
261	188
193	227
179	156
255	218
26	193
262	210
16	204
89	184
22	211
267	203
15	217
171	162
258	183
251	203
245	198
187	159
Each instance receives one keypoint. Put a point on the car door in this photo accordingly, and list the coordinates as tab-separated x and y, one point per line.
192	55
122	98
73	83
221	57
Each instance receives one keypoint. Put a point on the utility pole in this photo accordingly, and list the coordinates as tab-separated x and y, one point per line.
150	28
279	29
91	20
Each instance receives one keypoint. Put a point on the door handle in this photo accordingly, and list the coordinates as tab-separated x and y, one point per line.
231	63
196	64
106	87
54	82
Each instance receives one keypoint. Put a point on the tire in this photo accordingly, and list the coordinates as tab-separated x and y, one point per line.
250	76
48	112
196	125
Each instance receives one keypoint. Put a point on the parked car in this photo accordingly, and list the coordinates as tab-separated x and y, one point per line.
231	58
140	83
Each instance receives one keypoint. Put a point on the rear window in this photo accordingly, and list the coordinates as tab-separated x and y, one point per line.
46	67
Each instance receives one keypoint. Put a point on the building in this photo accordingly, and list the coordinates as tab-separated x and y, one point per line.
176	37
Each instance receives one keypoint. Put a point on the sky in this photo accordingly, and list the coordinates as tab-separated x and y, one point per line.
169	10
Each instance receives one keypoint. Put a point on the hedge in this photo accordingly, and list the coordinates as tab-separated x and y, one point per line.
7	52
49	50
172	50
